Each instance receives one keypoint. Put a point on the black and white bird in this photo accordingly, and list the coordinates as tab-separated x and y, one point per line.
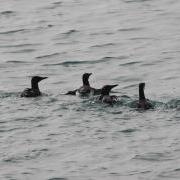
85	89
105	97
34	90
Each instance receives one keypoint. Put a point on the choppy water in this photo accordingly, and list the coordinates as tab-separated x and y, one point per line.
57	137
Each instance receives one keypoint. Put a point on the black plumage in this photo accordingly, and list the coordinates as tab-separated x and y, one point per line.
85	89
105	97
143	103
34	90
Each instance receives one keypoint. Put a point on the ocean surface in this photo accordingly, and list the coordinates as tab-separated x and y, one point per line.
59	137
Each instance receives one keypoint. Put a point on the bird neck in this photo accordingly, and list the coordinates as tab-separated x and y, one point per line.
86	82
34	85
141	94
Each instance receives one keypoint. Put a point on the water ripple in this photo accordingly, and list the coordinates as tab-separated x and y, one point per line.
72	63
103	45
154	157
17	62
57	179
21	51
48	55
12	31
131	63
130	29
7	12
19	45
128	130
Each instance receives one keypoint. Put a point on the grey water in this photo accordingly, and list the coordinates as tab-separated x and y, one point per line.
58	137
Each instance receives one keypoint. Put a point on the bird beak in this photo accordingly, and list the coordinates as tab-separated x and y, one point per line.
43	78
89	74
112	86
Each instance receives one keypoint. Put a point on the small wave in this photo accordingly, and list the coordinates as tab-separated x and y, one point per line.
103	59
170	78
53	6
47	56
10	130
153	157
170	52
148	64
50	25
11	160
7	12
104	32
18	45
173	104
21	51
8	94
22	119
128	130
125	101
35	154
117	112
70	32
28	156
109	58
13	31
140	38
18	62
2	122
40	150
65	34
134	1
130	63
58	179
26	173
103	45
71	63
58	3
130	29
178	169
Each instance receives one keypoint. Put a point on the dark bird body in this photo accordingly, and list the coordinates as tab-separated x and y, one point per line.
34	90
143	103
85	89
105	97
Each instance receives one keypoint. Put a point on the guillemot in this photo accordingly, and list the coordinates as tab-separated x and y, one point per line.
105	97
34	90
85	89
143	103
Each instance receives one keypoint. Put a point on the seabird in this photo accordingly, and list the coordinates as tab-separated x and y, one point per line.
85	89
34	90
143	103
